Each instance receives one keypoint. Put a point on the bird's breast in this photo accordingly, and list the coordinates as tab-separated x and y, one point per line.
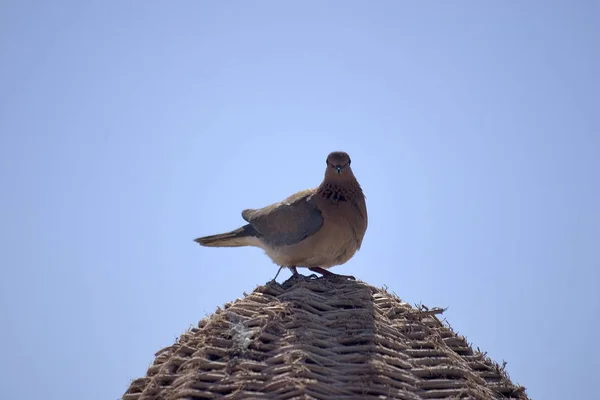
346	218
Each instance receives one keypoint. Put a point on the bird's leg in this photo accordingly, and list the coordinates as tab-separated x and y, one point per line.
277	274
326	273
292	268
295	274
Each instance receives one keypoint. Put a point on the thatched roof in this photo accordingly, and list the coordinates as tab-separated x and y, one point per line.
322	339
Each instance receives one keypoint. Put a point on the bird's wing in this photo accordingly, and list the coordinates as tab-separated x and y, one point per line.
287	222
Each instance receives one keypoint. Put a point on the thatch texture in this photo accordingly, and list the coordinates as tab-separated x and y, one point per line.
322	339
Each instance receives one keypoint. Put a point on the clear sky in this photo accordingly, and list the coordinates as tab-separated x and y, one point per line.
127	129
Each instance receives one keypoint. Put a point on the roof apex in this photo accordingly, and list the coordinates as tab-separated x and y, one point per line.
326	339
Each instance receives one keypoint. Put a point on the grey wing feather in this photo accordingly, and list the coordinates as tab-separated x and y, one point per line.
287	222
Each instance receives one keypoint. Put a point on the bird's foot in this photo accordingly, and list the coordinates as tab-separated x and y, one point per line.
295	273
328	274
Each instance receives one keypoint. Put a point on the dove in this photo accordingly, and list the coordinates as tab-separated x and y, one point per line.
316	228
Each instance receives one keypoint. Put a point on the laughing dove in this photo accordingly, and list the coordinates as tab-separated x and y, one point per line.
315	228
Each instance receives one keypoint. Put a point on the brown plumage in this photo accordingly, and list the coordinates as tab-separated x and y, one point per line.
315	228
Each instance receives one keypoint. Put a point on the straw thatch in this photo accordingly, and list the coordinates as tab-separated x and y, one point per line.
322	339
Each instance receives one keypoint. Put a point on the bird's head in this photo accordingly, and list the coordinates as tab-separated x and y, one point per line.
338	165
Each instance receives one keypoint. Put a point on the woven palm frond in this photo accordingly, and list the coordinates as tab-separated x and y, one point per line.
322	339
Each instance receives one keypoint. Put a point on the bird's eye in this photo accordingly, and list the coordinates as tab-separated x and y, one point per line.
349	161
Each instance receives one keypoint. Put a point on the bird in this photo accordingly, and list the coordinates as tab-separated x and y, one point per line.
316	228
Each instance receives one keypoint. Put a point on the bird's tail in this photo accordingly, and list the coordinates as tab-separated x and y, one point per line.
244	236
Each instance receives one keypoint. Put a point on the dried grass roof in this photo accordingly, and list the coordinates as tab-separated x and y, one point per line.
322	339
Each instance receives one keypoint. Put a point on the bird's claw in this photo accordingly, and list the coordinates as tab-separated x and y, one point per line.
338	276
328	274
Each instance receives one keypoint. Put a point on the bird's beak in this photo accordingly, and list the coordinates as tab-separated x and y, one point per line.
339	169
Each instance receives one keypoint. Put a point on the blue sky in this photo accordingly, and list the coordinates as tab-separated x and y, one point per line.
128	129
